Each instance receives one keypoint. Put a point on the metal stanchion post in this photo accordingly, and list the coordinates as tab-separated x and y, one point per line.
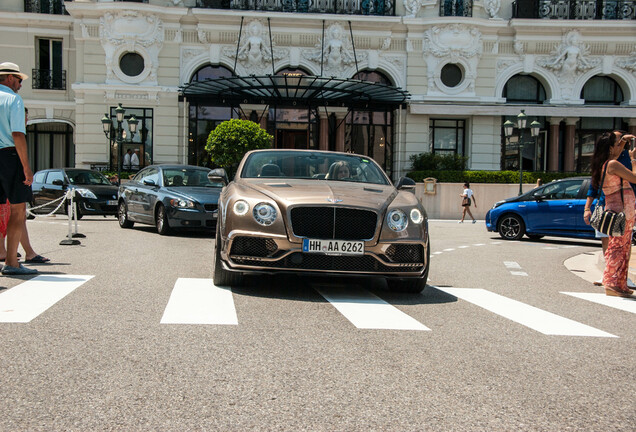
76	234
69	238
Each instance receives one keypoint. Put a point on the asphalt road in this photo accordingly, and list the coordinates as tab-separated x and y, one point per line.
494	344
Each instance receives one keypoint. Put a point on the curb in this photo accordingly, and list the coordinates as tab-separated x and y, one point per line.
590	265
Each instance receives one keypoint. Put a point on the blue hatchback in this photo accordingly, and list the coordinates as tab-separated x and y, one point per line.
555	209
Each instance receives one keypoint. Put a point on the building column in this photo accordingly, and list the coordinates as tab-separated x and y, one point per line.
631	126
324	131
553	145
568	147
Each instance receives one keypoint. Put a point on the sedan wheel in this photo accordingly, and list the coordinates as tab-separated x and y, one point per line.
511	227
122	216
161	221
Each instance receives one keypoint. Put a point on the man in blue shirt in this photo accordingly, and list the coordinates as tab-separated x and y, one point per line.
16	176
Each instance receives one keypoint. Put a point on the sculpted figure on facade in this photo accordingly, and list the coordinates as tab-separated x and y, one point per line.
412	7
338	51
628	63
131	31
570	58
254	52
492	7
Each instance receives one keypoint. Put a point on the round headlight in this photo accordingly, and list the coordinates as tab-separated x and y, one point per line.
416	216
396	219
264	213
241	208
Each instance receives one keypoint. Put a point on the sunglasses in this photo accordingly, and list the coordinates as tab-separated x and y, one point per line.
18	78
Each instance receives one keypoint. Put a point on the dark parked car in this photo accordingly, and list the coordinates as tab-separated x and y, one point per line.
555	209
170	196
94	194
329	213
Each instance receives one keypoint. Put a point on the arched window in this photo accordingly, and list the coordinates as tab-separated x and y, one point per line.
204	118
524	89
527	90
370	132
601	90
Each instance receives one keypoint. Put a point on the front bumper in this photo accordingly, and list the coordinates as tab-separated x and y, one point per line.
191	218
252	252
97	207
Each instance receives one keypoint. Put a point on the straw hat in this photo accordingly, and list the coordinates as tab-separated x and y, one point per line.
8	68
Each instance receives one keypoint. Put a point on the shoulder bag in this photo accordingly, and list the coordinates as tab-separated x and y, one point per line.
607	221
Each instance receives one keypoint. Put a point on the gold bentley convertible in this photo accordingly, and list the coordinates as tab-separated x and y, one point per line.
319	212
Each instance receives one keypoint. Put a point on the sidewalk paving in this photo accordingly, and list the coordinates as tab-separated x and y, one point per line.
589	266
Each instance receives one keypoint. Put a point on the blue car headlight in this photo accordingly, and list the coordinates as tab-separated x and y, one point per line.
181	203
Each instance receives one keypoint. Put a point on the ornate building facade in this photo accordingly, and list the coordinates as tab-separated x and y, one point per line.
384	79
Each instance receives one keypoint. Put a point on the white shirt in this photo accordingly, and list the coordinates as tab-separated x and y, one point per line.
468	192
126	161
134	160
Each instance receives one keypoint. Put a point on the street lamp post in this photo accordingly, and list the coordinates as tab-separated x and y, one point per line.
522	120
119	131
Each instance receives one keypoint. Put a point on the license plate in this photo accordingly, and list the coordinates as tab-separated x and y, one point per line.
111	202
333	247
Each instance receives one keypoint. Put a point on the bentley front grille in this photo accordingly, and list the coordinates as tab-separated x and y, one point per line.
253	246
333	223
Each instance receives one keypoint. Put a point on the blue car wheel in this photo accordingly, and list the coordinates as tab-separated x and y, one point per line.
511	227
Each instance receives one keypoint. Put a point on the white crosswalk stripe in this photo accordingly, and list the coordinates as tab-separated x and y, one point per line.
26	301
199	301
625	304
529	316
367	311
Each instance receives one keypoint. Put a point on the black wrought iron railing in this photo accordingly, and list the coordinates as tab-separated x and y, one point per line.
54	7
575	9
456	8
348	7
46	79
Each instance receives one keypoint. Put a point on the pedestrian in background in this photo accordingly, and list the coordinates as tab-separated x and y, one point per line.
468	198
127	156
134	160
614	178
16	176
539	182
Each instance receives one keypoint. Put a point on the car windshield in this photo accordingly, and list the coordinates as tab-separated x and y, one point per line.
305	164
84	177
187	177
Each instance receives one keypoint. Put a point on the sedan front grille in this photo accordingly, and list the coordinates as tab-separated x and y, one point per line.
333	223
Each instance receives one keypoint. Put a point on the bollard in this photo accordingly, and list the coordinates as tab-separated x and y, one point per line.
68	241
76	234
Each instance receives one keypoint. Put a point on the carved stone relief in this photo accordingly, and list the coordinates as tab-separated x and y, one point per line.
412	7
131	31
338	52
568	61
628	63
254	53
492	8
457	44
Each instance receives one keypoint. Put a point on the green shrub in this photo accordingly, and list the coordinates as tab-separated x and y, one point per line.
457	176
230	140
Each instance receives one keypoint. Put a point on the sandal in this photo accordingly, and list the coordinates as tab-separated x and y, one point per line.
617	292
38	259
19	256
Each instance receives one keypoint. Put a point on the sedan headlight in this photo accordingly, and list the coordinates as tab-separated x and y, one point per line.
497	204
416	216
85	193
181	203
241	208
264	214
397	220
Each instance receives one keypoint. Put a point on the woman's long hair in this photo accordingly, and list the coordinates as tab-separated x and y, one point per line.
601	155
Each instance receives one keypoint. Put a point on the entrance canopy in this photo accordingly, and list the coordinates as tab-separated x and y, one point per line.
290	90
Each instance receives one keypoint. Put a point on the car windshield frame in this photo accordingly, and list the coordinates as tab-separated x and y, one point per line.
187	177
316	166
80	177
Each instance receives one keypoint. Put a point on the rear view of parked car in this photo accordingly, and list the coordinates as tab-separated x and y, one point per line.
170	197
555	209
94	194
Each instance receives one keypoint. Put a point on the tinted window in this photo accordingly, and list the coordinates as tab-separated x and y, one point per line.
563	190
54	175
151	174
84	177
39	177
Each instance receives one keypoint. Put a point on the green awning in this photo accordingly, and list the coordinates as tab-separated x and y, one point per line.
295	90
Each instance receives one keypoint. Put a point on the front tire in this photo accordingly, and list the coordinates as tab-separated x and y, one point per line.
223	277
161	221
511	227
122	216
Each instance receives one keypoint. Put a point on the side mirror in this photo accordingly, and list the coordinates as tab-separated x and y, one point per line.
149	182
58	182
405	183
218	175
538	196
